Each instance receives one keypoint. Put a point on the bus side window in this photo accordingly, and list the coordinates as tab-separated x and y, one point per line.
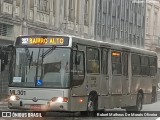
78	68
136	68
153	65
93	61
144	65
116	63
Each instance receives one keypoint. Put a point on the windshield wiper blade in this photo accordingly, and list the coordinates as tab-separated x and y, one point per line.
27	53
30	60
29	57
50	50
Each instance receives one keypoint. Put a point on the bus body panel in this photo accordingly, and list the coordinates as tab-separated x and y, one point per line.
78	103
141	83
116	87
104	85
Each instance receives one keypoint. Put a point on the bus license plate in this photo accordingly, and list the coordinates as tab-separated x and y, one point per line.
35	107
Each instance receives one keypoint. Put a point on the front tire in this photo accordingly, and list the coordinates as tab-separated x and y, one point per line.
92	105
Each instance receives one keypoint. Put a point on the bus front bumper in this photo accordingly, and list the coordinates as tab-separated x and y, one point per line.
40	105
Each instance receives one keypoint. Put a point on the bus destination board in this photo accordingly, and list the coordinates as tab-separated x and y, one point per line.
43	40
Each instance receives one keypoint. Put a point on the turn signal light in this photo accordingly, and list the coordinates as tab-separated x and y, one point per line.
81	100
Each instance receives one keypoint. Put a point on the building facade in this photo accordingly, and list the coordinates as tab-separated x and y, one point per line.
152	36
120	21
74	17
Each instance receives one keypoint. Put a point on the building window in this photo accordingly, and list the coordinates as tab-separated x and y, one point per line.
126	37
31	4
118	11
43	5
135	18
127	14
99	19
71	10
6	30
134	39
109	7
65	9
18	2
54	7
142	41
113	34
8	1
147	20
130	39
104	18
86	12
138	41
155	23
77	16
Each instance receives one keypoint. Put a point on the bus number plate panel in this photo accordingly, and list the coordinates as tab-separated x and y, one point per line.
35	107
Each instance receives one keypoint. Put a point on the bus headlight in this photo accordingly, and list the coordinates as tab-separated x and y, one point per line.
59	99
13	98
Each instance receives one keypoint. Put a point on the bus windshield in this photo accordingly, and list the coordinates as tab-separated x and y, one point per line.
48	65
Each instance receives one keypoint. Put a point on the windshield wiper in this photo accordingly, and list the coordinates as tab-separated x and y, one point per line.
30	60
27	53
29	57
49	51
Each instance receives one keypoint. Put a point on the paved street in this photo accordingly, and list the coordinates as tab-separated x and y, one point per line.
62	116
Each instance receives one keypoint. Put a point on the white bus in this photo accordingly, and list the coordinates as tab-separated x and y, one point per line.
67	73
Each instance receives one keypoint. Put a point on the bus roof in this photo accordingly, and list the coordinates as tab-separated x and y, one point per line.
114	46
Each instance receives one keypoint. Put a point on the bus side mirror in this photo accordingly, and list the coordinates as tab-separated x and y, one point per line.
77	59
2	65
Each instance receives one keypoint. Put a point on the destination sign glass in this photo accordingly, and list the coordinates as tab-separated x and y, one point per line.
43	40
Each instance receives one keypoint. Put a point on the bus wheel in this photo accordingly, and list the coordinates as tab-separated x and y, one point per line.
92	105
139	102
